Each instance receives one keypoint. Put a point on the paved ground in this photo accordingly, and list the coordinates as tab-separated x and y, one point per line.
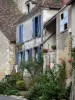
11	98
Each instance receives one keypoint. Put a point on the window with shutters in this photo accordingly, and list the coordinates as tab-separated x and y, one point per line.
64	21
37	26
29	54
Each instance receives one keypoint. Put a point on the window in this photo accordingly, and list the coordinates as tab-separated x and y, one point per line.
28	7
37	26
37	53
62	16
29	54
64	21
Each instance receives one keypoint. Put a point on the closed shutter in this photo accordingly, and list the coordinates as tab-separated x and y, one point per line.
21	33
39	25
17	58
33	25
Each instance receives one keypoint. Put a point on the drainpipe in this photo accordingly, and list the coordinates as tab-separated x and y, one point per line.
41	28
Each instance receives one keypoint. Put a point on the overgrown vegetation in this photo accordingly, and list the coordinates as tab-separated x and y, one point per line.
11	85
50	86
34	67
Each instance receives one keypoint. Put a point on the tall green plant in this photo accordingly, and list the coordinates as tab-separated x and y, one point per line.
33	67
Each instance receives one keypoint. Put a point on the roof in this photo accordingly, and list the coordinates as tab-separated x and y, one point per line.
52	4
70	2
9	14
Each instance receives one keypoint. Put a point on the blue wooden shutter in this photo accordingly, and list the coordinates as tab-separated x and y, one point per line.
17	57
21	33
39	25
33	25
23	55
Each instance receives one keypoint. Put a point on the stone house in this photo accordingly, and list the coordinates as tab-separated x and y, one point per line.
59	31
29	31
9	14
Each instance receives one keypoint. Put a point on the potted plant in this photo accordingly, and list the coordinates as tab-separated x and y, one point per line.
45	50
53	47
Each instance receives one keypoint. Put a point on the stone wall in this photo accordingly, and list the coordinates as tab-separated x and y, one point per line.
64	42
7	56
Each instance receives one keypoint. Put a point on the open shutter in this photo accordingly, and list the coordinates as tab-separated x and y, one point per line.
17	57
39	25
33	22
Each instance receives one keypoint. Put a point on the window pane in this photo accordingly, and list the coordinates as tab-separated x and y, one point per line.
62	28
65	14
65	26
62	16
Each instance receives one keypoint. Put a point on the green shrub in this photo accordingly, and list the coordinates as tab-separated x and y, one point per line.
2	87
48	86
53	47
20	85
11	92
16	76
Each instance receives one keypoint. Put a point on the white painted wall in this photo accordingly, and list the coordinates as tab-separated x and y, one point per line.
32	43
47	14
27	30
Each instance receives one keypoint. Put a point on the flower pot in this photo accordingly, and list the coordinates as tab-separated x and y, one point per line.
53	47
45	50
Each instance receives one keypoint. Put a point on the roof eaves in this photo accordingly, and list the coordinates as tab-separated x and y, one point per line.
51	19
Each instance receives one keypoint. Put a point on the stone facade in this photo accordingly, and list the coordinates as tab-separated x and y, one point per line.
64	41
7	56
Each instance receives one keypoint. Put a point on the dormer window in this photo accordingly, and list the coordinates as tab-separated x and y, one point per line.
28	8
